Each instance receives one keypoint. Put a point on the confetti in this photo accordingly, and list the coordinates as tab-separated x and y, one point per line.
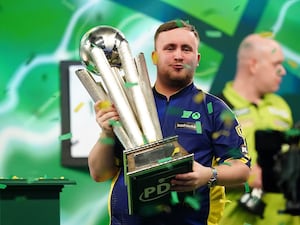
209	108
228	117
198	127
179	23
130	84
210	11
154	58
215	135
174	198
2	186
292	63
174	111
66	136
213	33
247	188
226	163
266	34
192	202
164	160
235	153
199	97
79	106
236	8
187	66
176	150
107	141
32	56
69	5
91	67
114	123
104	104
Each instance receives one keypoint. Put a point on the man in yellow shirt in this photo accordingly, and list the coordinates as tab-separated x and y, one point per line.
252	97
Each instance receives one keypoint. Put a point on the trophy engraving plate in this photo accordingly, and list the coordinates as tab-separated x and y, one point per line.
148	172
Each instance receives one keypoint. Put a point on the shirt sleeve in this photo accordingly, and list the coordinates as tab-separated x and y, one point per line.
228	140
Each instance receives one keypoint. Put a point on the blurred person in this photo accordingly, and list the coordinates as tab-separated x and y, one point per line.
251	95
218	159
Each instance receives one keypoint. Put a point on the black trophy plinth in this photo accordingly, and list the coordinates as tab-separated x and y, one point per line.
31	202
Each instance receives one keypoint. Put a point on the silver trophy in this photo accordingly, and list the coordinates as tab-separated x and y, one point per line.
125	83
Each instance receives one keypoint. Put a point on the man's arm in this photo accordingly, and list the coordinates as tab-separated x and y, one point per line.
234	172
101	159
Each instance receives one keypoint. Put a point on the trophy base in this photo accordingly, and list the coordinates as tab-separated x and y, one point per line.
148	171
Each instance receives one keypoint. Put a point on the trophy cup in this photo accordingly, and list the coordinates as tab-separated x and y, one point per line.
150	161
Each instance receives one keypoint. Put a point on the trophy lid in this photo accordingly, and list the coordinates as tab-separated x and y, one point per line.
106	38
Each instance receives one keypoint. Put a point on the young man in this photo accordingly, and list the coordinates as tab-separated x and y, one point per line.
220	153
251	96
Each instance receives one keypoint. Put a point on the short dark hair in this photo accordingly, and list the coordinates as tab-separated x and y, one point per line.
173	24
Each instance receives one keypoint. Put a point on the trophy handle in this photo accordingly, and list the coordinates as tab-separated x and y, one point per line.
97	92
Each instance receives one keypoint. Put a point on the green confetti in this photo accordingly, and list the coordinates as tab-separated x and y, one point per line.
130	84
65	136
164	159
174	111
107	141
187	66
213	33
247	188
2	186
209	108
192	202
174	198
292	132
179	23
236	8
228	117
198	127
90	67
235	153
114	123
226	163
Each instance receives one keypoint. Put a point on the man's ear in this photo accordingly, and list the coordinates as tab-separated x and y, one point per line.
154	57
199	59
252	65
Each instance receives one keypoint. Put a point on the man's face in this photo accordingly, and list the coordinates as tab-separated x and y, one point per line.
270	69
176	57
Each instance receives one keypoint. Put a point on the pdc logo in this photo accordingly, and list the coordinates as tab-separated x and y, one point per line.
157	191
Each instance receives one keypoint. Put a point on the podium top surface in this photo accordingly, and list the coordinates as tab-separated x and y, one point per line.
35	182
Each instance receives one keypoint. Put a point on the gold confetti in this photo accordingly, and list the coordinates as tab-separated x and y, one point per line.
104	104
78	107
199	97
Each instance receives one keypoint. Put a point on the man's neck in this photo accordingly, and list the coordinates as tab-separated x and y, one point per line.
248	93
168	91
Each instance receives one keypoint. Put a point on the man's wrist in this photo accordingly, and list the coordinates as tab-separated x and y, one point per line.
213	179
